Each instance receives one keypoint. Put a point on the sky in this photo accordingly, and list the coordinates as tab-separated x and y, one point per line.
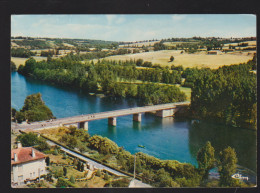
135	27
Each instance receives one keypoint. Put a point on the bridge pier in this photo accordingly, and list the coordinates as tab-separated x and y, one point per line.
137	117
112	121
166	112
83	125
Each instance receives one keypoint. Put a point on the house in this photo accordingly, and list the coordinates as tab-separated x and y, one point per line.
27	164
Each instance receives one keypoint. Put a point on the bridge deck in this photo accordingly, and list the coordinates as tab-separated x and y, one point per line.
96	116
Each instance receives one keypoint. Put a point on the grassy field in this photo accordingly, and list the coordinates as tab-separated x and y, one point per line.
21	61
186	60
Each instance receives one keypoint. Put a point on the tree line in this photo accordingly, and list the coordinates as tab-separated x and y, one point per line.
21	52
103	78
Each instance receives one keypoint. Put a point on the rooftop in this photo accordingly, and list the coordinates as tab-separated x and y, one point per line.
24	154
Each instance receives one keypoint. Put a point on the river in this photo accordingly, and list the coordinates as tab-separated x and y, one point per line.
165	138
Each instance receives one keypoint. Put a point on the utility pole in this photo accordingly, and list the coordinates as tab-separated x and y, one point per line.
134	169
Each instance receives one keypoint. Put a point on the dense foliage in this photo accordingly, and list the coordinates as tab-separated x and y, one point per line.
206	159
31	139
34	109
227	94
21	52
107	77
227	166
13	66
33	44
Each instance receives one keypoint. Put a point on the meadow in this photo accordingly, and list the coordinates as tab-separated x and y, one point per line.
21	61
201	59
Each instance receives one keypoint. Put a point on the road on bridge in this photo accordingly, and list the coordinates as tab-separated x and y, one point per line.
96	116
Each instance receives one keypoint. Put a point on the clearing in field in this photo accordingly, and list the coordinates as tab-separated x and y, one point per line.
201	59
21	61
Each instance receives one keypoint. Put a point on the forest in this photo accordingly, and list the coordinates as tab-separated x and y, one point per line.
227	94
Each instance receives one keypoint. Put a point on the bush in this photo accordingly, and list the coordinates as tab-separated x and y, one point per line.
64	171
28	139
62	183
72	179
106	177
98	173
121	183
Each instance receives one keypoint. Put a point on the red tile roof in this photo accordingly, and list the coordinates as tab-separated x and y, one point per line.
24	154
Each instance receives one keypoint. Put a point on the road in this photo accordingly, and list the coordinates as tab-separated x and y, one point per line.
96	116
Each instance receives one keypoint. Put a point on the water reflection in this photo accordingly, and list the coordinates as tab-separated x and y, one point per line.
137	126
167	121
111	129
244	141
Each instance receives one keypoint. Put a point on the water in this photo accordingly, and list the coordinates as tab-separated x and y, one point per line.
163	138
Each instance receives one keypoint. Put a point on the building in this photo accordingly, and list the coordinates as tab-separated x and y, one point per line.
27	164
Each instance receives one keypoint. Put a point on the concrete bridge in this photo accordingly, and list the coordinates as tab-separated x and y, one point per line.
163	110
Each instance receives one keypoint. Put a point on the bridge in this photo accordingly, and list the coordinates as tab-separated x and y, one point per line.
81	121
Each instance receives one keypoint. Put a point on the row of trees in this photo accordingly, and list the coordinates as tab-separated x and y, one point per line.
103	77
226	164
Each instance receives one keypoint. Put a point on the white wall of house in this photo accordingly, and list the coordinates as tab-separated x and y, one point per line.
29	170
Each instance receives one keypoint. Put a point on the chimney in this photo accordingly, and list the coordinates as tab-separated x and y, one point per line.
15	157
33	153
19	144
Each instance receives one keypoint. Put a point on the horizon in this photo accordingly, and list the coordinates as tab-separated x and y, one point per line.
131	28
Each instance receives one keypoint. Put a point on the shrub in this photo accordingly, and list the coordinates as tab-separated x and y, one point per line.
62	183
98	173
106	177
72	179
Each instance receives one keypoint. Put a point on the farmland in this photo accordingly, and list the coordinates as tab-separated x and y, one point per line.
18	61
199	60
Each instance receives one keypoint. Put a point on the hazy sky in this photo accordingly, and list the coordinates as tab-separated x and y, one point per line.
134	27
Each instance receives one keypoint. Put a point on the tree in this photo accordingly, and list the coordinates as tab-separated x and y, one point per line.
82	167
227	166
206	159
106	177
28	139
79	166
47	160
13	66
72	179
171	59
61	183
139	62
19	116
34	109
13	112
98	173
55	152
64	171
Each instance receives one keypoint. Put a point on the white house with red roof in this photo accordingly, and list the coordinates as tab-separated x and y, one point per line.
27	164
